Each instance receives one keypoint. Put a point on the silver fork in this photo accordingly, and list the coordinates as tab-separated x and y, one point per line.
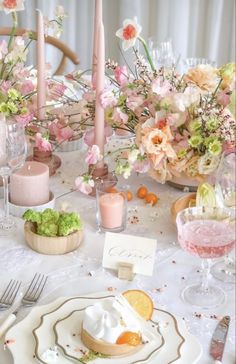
30	297
9	294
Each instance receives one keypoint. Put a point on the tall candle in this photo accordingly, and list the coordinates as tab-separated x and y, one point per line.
41	84
97	21
111	207
29	186
100	79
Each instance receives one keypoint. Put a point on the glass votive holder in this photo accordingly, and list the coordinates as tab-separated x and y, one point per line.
111	207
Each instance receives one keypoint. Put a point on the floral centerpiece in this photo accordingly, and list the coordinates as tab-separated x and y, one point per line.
181	123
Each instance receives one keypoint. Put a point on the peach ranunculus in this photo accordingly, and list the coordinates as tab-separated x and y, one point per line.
203	76
11	5
156	143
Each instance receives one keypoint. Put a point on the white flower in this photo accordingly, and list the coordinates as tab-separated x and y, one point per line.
129	33
84	184
133	155
11	5
208	163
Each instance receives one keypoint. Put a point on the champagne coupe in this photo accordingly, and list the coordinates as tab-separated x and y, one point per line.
12	156
163	54
206	232
225	189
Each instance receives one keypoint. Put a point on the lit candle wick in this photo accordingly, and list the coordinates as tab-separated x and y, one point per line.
29	168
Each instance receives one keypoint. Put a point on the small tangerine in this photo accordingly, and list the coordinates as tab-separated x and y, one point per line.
130	338
129	195
111	190
142	192
151	198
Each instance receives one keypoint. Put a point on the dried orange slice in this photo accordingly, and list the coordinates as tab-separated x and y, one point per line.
140	302
130	338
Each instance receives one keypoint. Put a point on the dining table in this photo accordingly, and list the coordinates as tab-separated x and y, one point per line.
80	272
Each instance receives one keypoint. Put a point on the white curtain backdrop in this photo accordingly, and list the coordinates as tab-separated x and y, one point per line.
198	28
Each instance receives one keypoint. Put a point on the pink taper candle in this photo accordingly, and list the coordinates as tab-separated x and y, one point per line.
41	85
100	78
97	21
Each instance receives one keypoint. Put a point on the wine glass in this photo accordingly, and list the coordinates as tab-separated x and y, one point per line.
12	156
163	54
225	189
194	62
206	232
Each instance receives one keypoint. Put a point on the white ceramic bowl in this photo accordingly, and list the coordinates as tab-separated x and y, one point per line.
18	211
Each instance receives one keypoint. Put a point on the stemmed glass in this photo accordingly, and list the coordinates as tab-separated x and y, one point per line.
163	54
12	156
206	232
225	188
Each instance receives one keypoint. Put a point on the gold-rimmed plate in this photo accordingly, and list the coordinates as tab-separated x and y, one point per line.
179	346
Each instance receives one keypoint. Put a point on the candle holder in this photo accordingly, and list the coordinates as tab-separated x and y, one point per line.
100	174
51	160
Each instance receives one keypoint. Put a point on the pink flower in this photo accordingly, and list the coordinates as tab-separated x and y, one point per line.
84	184
223	97
3	48
119	116
129	33
55	90
4	86
134	101
27	87
89	96
11	5
42	143
24	119
121	75
61	132
93	155
160	87
107	98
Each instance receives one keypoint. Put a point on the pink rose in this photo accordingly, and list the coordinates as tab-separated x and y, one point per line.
223	97
42	143
121	75
134	101
61	132
4	86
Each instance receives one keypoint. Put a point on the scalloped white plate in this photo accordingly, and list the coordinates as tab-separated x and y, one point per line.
180	347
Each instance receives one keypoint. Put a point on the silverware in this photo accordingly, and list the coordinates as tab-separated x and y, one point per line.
218	339
9	294
31	296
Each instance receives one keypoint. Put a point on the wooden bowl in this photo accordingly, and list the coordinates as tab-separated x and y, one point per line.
181	204
105	348
51	245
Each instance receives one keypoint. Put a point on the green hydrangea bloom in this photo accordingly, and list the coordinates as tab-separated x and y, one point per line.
68	223
182	153
212	124
50	215
33	216
195	125
13	94
215	147
195	141
47	229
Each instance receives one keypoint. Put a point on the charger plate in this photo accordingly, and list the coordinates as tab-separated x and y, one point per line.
29	339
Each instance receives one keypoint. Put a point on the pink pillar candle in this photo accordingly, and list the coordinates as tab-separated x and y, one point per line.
111	207
41	84
29	186
100	79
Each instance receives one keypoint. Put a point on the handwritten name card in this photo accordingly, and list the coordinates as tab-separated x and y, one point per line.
136	250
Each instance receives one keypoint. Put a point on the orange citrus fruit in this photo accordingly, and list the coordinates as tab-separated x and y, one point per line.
130	338
129	195
140	302
151	198
142	192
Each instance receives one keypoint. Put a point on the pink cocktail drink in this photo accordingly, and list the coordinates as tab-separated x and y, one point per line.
207	238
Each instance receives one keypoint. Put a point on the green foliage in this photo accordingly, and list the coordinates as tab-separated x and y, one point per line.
53	223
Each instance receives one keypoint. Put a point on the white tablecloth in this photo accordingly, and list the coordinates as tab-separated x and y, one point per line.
80	272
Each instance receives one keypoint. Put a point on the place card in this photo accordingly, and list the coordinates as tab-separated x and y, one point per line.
136	250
